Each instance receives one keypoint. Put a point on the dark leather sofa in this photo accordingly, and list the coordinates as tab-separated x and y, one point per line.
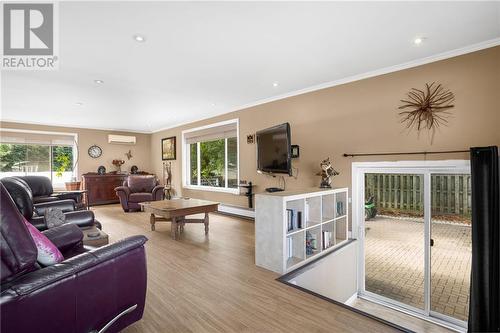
21	193
41	188
104	288
138	188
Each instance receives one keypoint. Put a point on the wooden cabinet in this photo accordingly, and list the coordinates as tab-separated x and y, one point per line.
101	188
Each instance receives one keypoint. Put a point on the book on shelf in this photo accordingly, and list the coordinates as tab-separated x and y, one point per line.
306	211
340	208
289	247
294	219
299	219
289	216
326	237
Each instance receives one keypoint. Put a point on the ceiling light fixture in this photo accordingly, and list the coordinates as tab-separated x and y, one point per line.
79	103
275	84
139	38
418	40
99	81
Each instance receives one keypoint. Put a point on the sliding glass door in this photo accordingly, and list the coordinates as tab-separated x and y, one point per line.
414	230
451	245
394	237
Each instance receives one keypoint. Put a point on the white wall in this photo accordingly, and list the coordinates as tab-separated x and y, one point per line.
334	276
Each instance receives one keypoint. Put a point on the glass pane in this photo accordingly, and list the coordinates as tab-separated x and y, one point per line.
12	158
193	167
212	162
62	164
232	163
37	161
394	237
451	241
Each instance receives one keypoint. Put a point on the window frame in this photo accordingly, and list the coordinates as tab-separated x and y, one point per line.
186	162
74	147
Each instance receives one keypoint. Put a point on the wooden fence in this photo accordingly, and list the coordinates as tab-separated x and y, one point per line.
450	194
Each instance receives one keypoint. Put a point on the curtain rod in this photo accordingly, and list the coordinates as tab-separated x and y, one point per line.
408	153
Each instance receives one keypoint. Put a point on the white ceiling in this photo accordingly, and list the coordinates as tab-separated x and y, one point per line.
202	59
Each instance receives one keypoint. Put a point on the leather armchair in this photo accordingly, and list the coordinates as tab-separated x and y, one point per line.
84	293
137	189
23	198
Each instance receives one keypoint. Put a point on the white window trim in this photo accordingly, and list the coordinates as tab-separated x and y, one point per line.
186	162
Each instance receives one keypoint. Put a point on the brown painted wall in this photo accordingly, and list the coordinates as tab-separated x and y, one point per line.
362	116
88	137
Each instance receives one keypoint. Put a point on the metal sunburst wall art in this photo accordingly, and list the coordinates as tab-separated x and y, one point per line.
428	108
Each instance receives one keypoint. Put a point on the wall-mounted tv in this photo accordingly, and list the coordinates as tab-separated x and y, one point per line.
274	150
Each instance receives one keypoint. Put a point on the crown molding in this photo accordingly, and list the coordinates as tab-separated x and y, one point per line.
37	123
386	70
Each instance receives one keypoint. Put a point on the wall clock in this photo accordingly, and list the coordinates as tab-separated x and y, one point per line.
95	151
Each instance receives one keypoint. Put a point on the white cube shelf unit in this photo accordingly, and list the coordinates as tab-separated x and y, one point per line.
295	227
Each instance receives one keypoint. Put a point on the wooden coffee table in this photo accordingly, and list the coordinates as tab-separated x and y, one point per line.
176	210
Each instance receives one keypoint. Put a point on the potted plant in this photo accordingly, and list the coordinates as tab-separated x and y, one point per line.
63	163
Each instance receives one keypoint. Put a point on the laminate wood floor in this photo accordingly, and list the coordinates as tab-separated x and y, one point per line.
211	284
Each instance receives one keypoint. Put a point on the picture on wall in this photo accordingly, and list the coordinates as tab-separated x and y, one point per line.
168	148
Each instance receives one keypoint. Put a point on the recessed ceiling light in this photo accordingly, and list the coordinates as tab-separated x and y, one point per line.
275	84
79	103
213	104
418	40
99	81
139	38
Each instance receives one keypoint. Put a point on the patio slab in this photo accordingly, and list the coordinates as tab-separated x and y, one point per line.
394	255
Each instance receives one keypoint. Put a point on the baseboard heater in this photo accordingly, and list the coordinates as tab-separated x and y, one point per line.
248	213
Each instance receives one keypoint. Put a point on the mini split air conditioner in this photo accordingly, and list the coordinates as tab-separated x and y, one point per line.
121	139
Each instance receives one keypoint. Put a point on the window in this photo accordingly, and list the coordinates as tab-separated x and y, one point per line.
211	157
22	155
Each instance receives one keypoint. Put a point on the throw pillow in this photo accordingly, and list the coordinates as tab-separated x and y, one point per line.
48	253
54	217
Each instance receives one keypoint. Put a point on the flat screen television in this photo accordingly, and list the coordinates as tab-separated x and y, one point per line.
274	150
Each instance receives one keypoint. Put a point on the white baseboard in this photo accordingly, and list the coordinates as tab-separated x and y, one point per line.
238	211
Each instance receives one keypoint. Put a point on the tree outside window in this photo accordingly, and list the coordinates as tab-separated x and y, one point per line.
54	162
213	164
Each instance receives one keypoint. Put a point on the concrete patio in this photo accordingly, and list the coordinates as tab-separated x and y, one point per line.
394	254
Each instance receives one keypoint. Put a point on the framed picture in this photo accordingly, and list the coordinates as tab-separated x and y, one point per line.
168	148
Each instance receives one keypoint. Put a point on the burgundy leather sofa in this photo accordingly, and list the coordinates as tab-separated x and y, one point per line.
34	213
88	291
137	189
